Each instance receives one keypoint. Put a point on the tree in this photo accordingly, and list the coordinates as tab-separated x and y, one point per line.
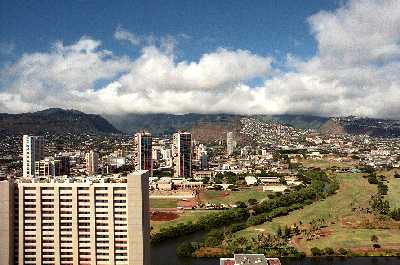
252	201
395	214
241	204
375	240
372	179
329	251
379	205
279	231
317	252
185	250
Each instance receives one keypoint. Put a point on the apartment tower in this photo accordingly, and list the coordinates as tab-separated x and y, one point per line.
32	151
230	143
182	153
92	162
144	151
76	223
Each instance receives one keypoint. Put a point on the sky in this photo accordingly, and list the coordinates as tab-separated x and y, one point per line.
321	57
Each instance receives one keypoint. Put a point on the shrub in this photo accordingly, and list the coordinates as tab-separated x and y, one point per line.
252	201
317	252
395	214
185	250
343	251
329	251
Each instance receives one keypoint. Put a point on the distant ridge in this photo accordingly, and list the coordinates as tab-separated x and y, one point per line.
205	127
54	121
215	125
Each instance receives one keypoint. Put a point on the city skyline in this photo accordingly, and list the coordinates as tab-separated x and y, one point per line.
331	59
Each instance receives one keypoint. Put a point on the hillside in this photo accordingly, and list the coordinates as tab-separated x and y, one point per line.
54	121
165	124
368	126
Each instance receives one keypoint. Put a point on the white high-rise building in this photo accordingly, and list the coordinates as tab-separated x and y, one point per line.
182	153
230	143
92	162
32	151
81	223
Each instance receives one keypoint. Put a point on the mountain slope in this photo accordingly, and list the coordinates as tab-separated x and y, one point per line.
55	121
165	124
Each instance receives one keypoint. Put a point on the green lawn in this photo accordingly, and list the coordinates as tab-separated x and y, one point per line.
355	191
349	238
186	216
163	203
394	191
234	196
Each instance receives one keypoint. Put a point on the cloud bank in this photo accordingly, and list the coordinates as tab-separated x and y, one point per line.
356	71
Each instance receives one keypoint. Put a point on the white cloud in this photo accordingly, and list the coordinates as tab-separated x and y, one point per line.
124	35
355	72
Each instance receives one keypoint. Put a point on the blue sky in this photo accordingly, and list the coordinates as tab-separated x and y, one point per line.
274	27
321	57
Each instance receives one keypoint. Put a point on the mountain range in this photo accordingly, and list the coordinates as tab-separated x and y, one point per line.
203	126
54	121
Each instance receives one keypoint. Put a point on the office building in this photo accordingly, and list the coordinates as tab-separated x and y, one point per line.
52	167
32	151
182	154
76	223
92	163
204	160
144	151
230	143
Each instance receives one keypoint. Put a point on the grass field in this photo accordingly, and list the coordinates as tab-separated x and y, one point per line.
355	191
163	203
234	196
326	163
394	190
186	216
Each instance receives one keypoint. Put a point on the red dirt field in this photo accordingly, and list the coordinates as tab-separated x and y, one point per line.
224	194
188	204
163	216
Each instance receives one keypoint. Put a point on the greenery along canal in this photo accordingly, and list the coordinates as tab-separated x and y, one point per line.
222	242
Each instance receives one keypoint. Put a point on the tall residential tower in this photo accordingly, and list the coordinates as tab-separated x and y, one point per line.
144	151
83	223
182	153
32	151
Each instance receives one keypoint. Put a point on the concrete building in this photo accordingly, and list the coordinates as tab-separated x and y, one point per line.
92	162
52	167
204	160
32	151
144	151
230	143
182	154
76	223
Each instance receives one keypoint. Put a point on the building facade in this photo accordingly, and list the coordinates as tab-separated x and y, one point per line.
76	223
182	154
92	162
144	151
32	151
52	167
230	143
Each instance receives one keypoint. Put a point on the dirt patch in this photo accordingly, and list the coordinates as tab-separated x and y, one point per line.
209	252
223	194
187	204
163	216
368	221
